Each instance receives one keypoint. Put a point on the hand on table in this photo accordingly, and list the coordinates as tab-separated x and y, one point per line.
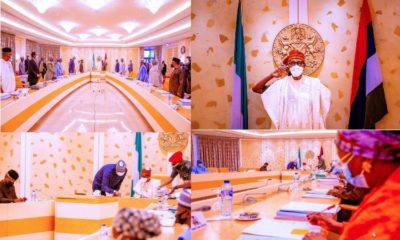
323	220
20	200
172	191
314	236
116	194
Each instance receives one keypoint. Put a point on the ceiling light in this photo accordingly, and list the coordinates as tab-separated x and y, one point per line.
95	4
172	14
42	6
115	36
153	5
83	35
129	26
98	31
67	25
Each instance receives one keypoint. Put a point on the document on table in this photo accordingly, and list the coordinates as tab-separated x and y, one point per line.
321	196
306	207
281	229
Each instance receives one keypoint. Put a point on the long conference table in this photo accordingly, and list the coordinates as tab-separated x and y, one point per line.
21	114
268	188
69	218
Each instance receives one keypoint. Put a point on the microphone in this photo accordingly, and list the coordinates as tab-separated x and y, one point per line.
202	209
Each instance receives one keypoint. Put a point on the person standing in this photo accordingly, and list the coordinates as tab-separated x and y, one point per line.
42	67
155	77
142	72
21	66
26	63
116	70
58	67
123	67
33	70
71	65
81	66
179	167
163	69
130	67
50	70
8	83
177	81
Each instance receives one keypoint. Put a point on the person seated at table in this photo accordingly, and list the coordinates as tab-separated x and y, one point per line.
350	195
108	179
305	167
7	189
183	212
200	168
264	167
335	168
179	167
132	224
292	165
370	159
146	187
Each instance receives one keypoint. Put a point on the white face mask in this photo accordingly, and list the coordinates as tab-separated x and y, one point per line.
296	70
357	181
120	174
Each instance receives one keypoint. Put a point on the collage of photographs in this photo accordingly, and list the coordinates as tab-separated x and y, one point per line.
200	119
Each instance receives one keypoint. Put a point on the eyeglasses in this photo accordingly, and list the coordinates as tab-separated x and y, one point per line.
298	63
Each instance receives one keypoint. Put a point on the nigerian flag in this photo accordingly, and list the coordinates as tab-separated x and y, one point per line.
137	161
239	85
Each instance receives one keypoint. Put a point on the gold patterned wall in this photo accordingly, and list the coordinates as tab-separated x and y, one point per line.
336	21
121	146
62	163
10	154
156	158
278	152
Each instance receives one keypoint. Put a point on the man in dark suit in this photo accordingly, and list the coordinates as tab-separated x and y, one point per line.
33	70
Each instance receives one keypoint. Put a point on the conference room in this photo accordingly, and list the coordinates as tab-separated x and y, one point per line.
86	66
258	184
83	185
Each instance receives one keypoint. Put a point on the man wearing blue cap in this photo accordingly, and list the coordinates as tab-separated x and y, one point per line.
200	168
108	179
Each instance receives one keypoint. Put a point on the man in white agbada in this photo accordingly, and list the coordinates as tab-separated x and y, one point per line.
295	101
146	187
8	84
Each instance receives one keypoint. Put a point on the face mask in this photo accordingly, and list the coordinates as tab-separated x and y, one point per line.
357	181
120	174
296	70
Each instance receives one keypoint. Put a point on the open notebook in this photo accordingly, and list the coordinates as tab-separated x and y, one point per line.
299	210
278	229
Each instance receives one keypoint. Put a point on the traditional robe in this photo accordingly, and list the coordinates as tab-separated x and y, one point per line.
146	189
377	217
302	104
59	71
7	77
176	82
123	69
71	66
21	68
130	67
143	73
155	77
50	71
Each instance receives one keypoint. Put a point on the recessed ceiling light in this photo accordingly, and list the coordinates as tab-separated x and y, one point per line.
98	31
67	25
95	4
115	36
129	26
153	5
83	35
42	6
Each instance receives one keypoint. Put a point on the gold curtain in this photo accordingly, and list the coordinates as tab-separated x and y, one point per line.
219	152
8	40
47	51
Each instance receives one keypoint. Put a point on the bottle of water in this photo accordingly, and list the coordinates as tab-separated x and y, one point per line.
295	187
103	232
226	199
33	195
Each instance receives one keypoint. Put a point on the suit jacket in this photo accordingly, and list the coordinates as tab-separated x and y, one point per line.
33	72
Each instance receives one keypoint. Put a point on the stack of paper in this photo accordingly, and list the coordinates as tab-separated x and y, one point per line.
280	229
185	102
299	210
318	193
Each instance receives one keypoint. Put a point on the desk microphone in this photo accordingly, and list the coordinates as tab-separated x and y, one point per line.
202	209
